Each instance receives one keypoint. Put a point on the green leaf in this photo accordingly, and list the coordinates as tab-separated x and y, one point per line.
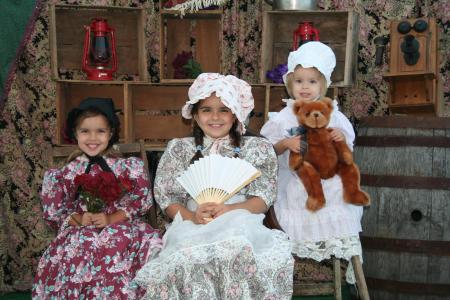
193	68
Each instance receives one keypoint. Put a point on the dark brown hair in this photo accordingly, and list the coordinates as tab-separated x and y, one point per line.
89	113
198	134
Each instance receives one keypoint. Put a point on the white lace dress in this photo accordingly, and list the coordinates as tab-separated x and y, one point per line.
332	230
232	257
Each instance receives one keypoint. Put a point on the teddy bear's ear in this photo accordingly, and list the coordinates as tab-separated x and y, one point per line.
328	102
297	105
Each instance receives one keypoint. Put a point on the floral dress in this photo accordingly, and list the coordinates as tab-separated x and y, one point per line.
232	257
84	262
332	230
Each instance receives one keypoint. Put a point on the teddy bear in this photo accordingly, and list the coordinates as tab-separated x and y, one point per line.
324	158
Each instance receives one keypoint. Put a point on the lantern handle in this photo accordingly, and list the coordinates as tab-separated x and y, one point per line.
87	42
113	42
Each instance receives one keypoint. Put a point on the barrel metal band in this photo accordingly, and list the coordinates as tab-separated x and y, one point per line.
406	182
438	248
408	287
402	141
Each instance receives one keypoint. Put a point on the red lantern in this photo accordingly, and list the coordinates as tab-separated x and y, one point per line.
304	33
99	53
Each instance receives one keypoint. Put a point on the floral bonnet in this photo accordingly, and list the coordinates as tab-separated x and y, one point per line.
234	93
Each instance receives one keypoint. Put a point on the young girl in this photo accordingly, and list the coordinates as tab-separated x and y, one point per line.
94	255
233	256
333	229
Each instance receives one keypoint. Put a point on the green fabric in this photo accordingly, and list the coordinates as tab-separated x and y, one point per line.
14	17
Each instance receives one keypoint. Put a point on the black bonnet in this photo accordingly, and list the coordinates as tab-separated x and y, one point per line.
105	106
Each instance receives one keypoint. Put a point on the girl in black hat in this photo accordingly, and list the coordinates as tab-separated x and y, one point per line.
95	202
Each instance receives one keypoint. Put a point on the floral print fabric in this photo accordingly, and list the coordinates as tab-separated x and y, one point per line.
28	113
233	256
84	262
179	152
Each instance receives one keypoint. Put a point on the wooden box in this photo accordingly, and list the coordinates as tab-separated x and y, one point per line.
69	94
199	33
413	88
156	112
67	37
338	29
257	116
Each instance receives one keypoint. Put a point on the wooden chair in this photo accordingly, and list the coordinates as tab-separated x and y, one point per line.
334	287
127	150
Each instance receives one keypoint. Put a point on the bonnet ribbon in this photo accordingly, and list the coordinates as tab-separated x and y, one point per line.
97	160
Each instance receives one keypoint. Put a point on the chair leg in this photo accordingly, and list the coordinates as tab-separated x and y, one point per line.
360	279
337	278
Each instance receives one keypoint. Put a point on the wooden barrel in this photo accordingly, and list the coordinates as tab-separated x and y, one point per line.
405	167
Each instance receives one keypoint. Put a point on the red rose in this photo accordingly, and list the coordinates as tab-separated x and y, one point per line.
104	187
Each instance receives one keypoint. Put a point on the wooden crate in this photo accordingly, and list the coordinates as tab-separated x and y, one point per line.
156	112
338	29
69	94
152	112
257	116
67	37
199	33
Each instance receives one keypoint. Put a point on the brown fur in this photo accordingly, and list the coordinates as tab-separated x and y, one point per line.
324	157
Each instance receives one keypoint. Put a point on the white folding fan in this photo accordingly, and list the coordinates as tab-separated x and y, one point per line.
216	178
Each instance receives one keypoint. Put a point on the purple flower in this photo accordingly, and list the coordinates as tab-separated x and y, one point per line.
276	74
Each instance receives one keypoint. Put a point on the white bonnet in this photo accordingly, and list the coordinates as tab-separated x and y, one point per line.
235	94
312	54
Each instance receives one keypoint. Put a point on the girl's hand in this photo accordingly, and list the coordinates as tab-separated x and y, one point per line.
100	220
293	143
86	219
203	213
220	209
337	135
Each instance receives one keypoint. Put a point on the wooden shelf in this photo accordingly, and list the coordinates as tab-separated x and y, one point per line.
199	33
337	29
152	111
67	37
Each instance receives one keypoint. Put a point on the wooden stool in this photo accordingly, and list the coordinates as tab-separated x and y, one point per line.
334	287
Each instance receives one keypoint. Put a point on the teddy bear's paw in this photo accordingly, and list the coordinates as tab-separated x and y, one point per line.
347	157
358	198
314	204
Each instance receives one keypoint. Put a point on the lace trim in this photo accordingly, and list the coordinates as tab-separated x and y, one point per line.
344	247
158	269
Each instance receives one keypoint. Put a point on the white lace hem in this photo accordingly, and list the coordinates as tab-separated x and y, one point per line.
344	248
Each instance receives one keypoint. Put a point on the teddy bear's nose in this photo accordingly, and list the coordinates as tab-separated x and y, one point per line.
316	114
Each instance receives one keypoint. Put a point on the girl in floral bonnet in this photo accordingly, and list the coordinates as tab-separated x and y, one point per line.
233	256
95	254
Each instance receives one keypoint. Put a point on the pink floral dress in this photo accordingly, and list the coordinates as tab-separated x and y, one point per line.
83	262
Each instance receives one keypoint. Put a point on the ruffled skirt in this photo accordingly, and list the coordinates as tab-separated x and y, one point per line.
232	257
331	231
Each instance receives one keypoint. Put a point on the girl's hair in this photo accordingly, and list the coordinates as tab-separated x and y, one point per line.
89	113
199	135
290	78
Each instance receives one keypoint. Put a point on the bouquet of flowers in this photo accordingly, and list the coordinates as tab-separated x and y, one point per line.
101	189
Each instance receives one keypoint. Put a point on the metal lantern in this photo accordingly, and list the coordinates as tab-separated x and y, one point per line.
99	52
304	33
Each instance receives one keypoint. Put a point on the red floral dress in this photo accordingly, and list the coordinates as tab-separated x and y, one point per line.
83	262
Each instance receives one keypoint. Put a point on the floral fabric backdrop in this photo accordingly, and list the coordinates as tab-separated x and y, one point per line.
27	120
